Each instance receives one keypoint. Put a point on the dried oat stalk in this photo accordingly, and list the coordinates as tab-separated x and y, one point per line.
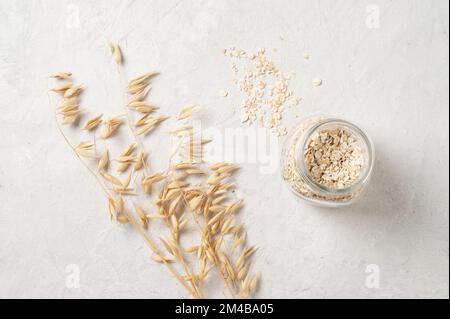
161	206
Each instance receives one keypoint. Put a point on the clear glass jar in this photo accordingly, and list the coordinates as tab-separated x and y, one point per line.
300	180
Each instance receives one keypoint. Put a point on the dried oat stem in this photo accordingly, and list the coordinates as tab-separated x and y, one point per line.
186	268
146	169
178	199
58	125
128	115
137	140
146	238
155	250
219	270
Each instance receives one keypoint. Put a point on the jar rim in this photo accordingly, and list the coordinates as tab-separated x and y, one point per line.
356	184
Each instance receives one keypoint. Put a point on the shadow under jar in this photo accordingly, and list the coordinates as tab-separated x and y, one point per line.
327	161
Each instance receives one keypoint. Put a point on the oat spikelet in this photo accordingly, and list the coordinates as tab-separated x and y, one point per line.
242	273
70	114
142	79
85	149
145	109
73	91
116	52
195	202
127	151
103	161
206	141
219	200
124	166
123	188
215	178
61	75
162	259
111	178
249	285
148	181
238	240
141	121
69	102
254	282
223	167
127	181
317	82
233	208
138	88
171	247
184	165
177	184
110	126
120	205
179	176
181	131
62	88
151	123
140	161
126	159
70	119
93	123
140	96
69	110
192	249
195	171
186	113
122	219
140	103
111	209
230	168
142	215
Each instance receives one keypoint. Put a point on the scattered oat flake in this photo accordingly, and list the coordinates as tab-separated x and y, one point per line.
317	82
265	88
334	158
295	100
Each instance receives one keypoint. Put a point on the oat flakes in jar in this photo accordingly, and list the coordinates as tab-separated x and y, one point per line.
327	161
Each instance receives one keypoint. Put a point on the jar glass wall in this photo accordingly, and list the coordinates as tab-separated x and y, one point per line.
298	175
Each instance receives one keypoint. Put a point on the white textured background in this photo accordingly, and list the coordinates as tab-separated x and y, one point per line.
392	79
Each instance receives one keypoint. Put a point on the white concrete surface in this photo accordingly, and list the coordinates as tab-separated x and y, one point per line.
390	75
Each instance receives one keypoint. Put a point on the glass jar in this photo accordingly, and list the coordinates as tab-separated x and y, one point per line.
300	180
